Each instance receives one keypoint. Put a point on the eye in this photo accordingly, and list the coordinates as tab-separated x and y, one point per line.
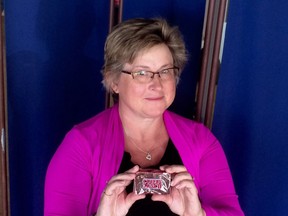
141	73
165	71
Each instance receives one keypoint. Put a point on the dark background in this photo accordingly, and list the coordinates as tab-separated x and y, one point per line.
54	57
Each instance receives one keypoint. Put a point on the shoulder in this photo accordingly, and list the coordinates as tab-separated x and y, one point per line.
183	128
176	120
98	124
92	130
101	119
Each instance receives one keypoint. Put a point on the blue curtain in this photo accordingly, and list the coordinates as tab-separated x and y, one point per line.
251	105
54	58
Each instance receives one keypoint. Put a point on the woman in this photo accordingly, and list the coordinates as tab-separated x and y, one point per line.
94	167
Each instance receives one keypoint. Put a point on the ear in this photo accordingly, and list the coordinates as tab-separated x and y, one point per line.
114	87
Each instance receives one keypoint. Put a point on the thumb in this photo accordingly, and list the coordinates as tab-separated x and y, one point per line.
132	197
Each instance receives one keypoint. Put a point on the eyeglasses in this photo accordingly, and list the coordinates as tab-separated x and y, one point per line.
143	76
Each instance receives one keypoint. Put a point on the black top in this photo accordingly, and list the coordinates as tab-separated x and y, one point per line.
147	206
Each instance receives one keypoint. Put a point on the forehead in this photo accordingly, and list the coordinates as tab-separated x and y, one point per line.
156	56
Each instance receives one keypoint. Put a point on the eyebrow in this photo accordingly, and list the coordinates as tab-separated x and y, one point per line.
148	68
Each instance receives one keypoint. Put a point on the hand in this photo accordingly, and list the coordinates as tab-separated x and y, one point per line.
183	198
114	200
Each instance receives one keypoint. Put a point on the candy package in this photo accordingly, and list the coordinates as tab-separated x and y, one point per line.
152	181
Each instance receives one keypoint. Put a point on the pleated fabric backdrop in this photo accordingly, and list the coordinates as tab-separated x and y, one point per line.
251	114
55	53
54	57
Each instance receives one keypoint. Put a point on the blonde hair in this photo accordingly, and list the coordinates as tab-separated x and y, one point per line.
130	37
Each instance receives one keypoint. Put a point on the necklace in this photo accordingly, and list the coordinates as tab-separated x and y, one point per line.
148	153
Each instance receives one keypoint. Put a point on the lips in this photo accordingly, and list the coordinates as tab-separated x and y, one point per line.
155	98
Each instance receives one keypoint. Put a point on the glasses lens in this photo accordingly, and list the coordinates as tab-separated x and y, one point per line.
142	76
167	74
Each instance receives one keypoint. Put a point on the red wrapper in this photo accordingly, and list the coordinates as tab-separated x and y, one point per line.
150	181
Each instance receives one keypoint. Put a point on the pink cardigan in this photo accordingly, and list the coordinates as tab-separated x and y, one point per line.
92	151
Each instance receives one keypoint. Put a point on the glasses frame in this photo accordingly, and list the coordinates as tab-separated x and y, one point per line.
153	73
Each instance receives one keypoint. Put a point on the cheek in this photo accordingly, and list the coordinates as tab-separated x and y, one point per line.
170	95
137	92
171	98
129	89
122	85
171	91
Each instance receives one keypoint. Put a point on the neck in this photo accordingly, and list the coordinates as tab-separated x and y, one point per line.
150	149
143	129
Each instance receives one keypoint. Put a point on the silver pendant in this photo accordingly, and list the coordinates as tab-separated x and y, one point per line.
148	156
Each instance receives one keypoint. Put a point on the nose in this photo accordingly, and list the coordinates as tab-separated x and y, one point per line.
157	73
156	81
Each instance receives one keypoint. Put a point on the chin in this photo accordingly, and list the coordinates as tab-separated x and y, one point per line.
154	113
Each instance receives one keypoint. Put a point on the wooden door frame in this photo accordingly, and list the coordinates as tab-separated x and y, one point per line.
4	192
116	9
212	48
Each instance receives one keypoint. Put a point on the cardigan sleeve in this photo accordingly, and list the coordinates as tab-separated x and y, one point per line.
204	158
216	190
79	170
68	179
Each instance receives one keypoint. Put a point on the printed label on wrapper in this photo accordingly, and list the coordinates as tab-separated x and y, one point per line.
151	181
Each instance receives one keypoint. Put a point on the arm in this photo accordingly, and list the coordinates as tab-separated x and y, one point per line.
217	192
68	179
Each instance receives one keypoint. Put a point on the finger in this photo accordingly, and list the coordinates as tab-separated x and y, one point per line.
186	184
187	187
173	168
163	167
120	180
132	197
133	169
118	184
180	177
114	188
127	175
